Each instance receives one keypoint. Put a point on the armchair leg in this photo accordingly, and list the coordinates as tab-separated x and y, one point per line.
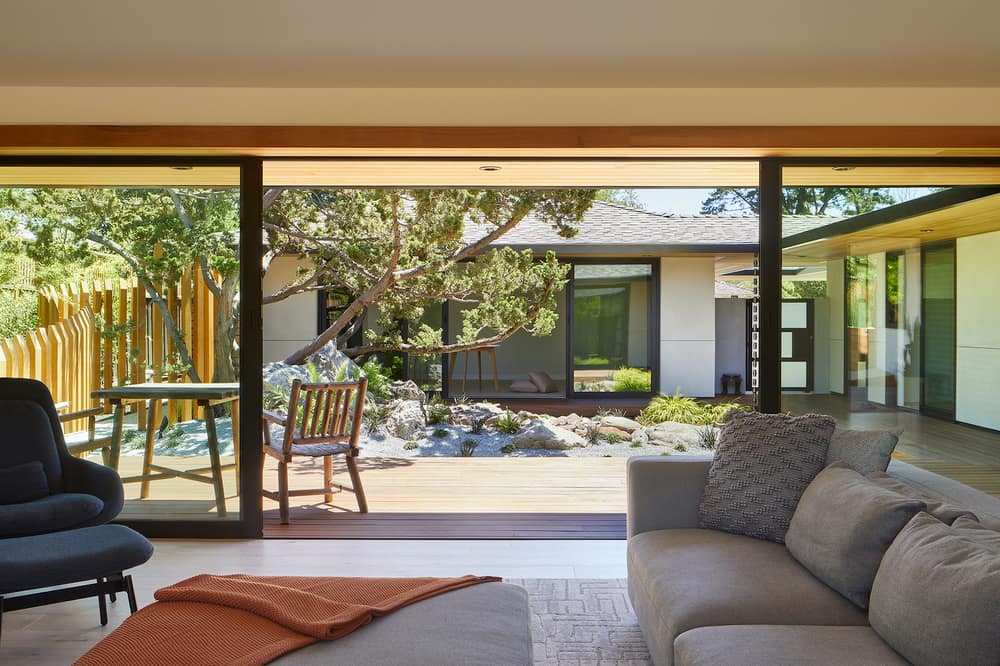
283	491
359	491
327	477
102	605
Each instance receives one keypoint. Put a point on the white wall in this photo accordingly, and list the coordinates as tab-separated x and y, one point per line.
291	323
877	366
835	290
731	340
821	345
687	325
978	330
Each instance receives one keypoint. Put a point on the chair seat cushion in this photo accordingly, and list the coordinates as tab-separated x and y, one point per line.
58	558
680	579
62	511
482	625
23	483
738	645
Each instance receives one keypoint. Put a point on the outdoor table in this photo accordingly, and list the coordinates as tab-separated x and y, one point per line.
206	396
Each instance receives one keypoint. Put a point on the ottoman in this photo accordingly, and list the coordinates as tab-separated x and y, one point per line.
481	625
100	554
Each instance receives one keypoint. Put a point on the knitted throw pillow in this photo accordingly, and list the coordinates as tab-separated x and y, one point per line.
762	465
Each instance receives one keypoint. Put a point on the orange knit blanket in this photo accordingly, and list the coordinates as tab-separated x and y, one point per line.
249	620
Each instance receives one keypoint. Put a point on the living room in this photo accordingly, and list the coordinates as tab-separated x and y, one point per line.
899	332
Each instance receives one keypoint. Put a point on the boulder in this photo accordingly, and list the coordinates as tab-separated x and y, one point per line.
670	433
278	376
617	432
334	365
406	419
407	390
622	423
542	435
640	438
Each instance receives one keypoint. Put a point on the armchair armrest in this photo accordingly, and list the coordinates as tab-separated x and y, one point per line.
84	476
275	417
664	492
81	414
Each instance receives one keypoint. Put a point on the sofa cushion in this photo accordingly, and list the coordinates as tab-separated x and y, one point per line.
943	511
523	386
738	645
23	483
864	451
842	527
680	579
762	465
542	381
53	513
936	597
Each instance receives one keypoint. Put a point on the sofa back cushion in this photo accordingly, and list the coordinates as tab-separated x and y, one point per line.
762	464
842	527
28	437
936	596
864	451
946	513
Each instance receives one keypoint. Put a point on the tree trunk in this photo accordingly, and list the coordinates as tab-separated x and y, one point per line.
226	367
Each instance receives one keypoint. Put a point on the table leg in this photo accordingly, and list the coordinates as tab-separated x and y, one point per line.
452	364
493	363
152	415
465	370
234	413
213	453
118	425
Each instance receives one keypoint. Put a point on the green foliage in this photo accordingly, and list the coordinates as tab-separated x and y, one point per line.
410	446
18	314
437	413
476	424
605	412
592	432
844	201
507	449
628	198
682	409
375	416
665	453
681	446
440	432
590	361
636	445
613	438
804	289
379	379
635	380
469	447
508	423
708	437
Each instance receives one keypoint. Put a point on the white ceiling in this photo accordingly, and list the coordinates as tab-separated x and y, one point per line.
527	43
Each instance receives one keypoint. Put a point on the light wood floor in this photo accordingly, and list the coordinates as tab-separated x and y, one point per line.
60	633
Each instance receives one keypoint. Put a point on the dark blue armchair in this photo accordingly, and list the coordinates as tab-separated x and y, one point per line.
42	487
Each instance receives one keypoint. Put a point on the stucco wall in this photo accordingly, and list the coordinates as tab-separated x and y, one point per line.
291	323
731	340
978	330
687	325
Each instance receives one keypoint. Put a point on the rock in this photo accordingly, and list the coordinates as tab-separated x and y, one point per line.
622	423
407	390
573	419
406	419
617	432
541	435
670	433
640	437
278	376
333	364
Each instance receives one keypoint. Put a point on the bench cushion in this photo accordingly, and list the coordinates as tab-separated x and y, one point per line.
58	558
768	644
680	579
482	625
49	514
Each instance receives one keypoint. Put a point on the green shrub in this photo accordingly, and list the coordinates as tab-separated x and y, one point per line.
636	445
681	446
509	423
592	432
665	453
411	445
440	432
379	379
469	447
476	424
682	409
632	380
437	413
708	437
508	448
375	416
18	314
613	438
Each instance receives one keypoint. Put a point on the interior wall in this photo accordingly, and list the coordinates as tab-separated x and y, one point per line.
731	340
291	323
687	325
978	330
821	345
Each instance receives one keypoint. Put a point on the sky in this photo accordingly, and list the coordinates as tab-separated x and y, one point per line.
673	200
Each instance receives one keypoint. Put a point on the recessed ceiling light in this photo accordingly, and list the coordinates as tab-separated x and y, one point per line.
843	168
182	168
490	167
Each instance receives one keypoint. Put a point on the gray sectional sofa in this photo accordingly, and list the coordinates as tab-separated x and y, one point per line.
705	597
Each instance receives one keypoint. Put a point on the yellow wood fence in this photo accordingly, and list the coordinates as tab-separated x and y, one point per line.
108	333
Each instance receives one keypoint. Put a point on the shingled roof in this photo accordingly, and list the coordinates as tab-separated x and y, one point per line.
613	229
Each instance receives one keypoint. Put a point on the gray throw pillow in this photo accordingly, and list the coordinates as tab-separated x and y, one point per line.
946	513
864	451
936	597
842	527
763	463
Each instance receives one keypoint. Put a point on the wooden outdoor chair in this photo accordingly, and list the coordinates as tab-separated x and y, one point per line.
82	442
321	422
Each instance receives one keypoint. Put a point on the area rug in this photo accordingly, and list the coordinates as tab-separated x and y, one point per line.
583	622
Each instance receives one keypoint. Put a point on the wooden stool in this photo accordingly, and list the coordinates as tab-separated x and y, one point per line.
490	352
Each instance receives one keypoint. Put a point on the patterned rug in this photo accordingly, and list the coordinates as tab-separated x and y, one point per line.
583	622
